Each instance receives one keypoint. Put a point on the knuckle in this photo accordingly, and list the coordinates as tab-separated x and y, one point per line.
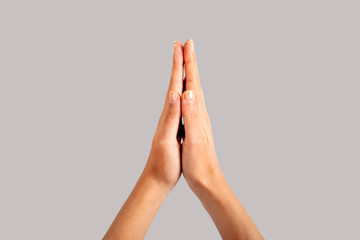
170	115
162	144
176	82
198	143
192	79
190	60
193	114
177	62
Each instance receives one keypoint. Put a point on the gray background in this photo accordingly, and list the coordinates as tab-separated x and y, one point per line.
83	84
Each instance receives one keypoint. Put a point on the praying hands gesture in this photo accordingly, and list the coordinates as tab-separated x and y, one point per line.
194	157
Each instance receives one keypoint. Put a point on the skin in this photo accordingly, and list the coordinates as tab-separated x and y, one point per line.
195	158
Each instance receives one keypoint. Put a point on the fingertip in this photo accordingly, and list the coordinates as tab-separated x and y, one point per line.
178	44
178	52
189	43
189	52
178	47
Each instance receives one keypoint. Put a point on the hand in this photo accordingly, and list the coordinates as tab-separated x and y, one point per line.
199	161
163	168
164	162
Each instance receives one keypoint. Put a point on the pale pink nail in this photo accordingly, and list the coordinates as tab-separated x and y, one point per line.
173	98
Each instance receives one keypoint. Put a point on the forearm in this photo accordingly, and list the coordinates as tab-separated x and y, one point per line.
137	213
228	214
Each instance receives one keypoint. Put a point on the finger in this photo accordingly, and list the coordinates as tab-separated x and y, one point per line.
172	102
171	110
191	116
191	70
170	117
176	80
192	78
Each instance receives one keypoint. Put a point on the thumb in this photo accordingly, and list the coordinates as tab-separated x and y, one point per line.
191	116
171	116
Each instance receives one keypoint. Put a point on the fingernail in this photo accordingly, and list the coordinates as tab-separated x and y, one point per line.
191	42
173	98
189	96
175	43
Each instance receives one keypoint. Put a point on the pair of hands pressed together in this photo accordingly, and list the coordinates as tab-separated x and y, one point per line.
195	157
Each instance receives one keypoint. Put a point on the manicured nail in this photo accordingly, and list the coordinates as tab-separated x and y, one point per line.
189	96
173	98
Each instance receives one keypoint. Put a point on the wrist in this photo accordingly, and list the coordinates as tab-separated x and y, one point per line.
205	184
156	182
212	191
